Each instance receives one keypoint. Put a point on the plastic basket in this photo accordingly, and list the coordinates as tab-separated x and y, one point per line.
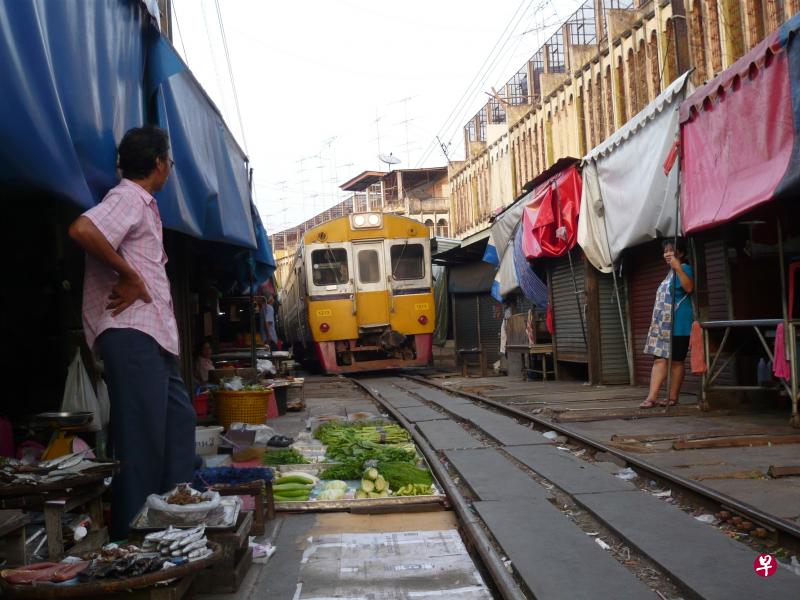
242	407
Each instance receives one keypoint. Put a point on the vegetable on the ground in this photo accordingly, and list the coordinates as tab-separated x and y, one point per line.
296	477
284	457
415	490
348	470
379	432
401	474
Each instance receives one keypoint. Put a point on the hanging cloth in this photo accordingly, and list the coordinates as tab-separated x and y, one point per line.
780	367
660	333
697	349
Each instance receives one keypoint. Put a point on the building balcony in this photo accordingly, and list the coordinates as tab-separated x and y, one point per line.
429	205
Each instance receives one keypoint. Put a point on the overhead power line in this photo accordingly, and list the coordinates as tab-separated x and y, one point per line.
230	73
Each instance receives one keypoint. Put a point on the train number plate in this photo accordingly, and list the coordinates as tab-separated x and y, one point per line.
325	312
421	306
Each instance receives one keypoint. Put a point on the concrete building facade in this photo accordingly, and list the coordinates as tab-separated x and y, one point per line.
603	65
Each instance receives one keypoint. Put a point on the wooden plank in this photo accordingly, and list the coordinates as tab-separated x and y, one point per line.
775	471
661	437
736	442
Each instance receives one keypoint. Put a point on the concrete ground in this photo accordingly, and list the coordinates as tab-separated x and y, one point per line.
610	414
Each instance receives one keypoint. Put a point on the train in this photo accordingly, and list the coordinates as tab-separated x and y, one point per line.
359	296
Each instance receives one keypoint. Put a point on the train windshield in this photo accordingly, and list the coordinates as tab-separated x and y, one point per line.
408	261
369	268
329	266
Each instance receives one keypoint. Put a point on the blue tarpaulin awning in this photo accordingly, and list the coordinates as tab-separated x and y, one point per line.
208	194
72	85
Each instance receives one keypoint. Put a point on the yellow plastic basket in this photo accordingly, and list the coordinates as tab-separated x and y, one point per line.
241	407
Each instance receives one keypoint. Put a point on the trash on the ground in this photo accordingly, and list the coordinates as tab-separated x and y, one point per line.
550	435
602	544
710	519
664	494
508	565
627	474
592	533
563	448
261	552
579	452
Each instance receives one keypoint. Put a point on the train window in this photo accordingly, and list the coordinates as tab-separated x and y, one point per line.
369	268
329	266
408	261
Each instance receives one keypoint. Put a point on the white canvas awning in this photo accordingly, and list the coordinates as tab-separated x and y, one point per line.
627	199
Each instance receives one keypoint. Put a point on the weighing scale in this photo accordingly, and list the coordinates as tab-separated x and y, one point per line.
65	425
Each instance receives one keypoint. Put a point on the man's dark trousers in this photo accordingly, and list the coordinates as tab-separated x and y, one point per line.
152	421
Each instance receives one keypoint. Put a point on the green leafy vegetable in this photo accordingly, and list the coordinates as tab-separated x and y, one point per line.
284	457
403	474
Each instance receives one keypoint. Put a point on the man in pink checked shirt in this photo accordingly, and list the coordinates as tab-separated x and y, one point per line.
129	320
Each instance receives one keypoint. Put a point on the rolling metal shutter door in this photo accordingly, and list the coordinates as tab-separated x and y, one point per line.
490	322
646	271
614	359
716	286
570	342
466	321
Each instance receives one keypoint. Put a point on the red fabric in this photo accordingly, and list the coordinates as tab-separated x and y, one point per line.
737	135
551	326
555	204
698	351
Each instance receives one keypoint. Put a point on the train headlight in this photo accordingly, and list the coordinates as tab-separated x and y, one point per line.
325	328
366	220
423	320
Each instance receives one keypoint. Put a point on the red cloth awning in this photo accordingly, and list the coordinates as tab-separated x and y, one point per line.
550	219
738	135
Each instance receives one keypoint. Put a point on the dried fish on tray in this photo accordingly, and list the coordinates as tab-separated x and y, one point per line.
17	477
226	518
183	506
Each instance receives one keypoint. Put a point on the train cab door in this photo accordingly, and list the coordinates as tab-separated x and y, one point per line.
370	284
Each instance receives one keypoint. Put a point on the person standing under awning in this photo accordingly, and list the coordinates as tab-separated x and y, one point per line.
129	319
671	327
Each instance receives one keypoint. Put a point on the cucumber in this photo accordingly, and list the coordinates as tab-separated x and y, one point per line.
286	487
296	478
290	498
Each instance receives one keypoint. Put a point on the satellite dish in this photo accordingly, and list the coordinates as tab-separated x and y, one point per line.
389	159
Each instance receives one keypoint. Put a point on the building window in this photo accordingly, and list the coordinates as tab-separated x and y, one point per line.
620	95
442	229
642	87
775	14
698	41
734	32
609	102
755	22
600	109
633	97
713	36
587	116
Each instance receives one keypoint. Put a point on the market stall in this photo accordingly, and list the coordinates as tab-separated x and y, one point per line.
753	104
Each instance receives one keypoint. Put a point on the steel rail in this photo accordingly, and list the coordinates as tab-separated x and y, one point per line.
506	585
728	502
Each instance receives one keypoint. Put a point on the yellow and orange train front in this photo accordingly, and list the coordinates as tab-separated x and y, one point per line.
369	297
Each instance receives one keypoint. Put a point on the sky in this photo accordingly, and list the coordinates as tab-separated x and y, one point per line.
324	87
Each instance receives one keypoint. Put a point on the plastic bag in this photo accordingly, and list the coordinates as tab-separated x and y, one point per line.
79	393
160	512
103	402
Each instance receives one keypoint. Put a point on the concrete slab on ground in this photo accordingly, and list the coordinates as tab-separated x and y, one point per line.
571	474
492	476
420	413
447	435
501	427
553	556
707	562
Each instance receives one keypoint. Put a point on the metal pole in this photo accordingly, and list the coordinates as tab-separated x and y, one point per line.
790	348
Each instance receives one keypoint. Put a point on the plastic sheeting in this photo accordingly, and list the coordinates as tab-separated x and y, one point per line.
71	73
550	217
627	199
505	281
502	231
532	287
739	134
208	194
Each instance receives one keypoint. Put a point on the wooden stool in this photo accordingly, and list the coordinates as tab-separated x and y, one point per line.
264	500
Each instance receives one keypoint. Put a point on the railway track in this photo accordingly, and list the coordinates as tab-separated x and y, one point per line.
501	429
